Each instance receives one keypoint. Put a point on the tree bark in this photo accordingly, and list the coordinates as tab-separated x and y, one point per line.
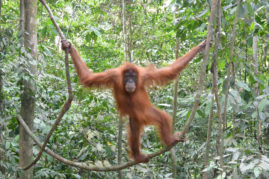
266	50
28	86
125	58
256	70
2	142
214	92
1	72
221	123
124	31
173	154
230	64
209	130
1	105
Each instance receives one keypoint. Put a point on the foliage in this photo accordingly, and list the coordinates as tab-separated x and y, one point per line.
88	132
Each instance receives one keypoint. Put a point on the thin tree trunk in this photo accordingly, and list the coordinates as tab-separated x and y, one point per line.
266	50
230	64
124	31
120	145
245	64
21	33
204	66
214	89
221	123
266	47
209	130
214	69
130	37
203	70
1	73
173	155
234	125
125	57
28	86
1	106
256	70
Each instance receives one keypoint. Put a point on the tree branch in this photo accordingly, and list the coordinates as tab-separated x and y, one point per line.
86	166
68	102
131	163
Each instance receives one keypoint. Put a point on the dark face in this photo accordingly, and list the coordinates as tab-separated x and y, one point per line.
130	80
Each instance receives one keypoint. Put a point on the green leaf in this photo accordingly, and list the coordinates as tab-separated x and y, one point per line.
17	138
243	85
257	171
262	104
252	26
201	113
76	176
254	115
8	145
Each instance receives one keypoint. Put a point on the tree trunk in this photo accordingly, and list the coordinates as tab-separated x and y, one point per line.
230	64
173	154
2	142
209	130
266	50
124	31
125	58
1	72
256	70
214	92
221	122
28	85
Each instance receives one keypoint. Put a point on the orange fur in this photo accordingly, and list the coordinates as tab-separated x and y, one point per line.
137	105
